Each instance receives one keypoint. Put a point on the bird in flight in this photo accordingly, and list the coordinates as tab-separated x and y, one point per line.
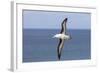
62	37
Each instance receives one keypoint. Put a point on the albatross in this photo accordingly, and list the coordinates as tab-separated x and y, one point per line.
62	36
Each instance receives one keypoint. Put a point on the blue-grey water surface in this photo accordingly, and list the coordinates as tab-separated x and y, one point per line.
39	46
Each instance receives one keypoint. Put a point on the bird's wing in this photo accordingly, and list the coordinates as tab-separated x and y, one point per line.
59	48
63	26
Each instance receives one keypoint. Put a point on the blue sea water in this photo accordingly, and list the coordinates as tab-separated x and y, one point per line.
39	46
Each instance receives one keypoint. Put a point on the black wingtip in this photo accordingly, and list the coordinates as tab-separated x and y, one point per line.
59	56
65	19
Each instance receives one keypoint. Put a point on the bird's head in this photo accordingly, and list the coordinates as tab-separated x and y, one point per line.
57	36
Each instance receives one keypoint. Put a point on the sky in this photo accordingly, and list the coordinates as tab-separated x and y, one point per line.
52	20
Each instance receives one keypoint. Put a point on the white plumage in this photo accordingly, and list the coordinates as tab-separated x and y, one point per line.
61	36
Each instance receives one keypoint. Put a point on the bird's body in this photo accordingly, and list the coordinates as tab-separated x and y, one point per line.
62	36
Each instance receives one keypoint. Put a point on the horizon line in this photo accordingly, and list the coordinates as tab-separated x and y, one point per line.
58	28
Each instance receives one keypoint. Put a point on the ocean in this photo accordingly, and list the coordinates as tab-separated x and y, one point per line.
39	46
